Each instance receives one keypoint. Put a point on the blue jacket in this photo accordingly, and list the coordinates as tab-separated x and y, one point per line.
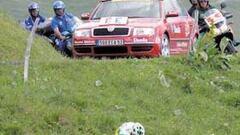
63	23
29	22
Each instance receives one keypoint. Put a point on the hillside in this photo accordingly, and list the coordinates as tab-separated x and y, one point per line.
77	7
18	8
94	97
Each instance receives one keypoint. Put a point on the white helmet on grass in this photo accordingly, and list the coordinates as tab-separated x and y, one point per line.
130	128
138	129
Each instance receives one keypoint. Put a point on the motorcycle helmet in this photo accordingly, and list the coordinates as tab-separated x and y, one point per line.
33	6
59	8
58	5
130	128
203	0
138	129
193	1
199	2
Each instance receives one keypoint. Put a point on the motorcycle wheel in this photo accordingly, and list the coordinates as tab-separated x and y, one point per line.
68	53
230	48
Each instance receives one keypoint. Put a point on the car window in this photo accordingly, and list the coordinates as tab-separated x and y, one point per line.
174	5
131	9
182	9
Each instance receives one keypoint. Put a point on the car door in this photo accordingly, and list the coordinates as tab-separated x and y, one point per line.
178	25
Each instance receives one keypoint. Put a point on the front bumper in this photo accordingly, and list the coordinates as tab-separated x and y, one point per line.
135	50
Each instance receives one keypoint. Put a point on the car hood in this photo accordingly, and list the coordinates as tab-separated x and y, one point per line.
131	22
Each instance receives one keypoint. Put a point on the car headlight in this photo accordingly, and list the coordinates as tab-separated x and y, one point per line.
82	33
143	32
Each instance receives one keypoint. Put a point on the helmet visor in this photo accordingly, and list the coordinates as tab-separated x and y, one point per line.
203	1
34	12
59	11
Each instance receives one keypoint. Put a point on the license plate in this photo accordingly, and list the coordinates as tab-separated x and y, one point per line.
109	42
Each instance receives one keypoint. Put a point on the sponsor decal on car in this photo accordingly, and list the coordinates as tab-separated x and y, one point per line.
176	28
140	40
90	42
182	44
113	20
85	42
187	29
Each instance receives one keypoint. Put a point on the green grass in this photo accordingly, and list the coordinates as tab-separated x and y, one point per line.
168	96
19	10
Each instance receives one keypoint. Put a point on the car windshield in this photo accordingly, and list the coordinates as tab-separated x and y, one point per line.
130	9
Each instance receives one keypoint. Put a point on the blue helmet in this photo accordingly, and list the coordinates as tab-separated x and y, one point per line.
33	6
58	5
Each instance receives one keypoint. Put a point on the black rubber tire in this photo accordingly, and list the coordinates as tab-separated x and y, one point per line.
230	48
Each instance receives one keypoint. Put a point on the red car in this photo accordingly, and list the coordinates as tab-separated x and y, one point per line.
135	28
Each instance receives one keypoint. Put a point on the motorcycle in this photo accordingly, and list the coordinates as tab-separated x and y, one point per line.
216	20
45	30
65	46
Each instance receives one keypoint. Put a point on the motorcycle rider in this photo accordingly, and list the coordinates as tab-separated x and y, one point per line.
204	6
33	10
63	24
193	8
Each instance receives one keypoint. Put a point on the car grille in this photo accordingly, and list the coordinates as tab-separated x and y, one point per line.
106	32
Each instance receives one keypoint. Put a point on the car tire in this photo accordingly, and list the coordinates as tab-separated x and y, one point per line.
165	46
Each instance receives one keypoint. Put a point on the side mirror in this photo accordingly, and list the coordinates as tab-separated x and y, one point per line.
172	14
85	16
223	5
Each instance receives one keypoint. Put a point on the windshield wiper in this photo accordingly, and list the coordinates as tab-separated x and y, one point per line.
136	17
128	17
96	18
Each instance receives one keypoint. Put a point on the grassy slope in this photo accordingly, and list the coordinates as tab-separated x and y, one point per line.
62	96
19	9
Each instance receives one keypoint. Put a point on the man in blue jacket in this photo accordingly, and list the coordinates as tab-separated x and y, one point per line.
33	10
63	25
